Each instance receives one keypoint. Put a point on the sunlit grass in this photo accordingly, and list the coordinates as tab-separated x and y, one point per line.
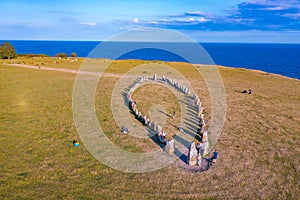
259	146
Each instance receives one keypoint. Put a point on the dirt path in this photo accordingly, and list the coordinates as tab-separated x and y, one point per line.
72	71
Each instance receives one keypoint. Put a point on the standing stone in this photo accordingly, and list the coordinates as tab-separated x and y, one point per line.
199	159
149	123
155	77
152	126
129	97
204	137
202	116
205	143
199	111
205	147
169	148
133	105
158	128
193	154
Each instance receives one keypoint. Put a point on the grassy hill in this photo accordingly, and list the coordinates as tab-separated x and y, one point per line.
259	146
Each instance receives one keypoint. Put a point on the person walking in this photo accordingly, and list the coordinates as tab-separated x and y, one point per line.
173	114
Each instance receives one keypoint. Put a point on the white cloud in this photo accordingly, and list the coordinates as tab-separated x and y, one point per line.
153	22
274	8
88	23
276	5
239	18
196	13
136	20
292	15
202	19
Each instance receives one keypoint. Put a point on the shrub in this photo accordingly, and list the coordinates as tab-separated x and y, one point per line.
73	55
7	51
61	55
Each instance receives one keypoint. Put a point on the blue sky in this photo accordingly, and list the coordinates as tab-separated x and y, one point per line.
203	20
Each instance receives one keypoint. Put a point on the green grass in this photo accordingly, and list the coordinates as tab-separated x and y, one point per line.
259	146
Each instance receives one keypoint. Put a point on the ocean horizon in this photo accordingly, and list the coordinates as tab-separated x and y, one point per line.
282	59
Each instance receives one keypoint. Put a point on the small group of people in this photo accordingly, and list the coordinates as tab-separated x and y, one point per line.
75	143
162	136
200	147
214	156
249	91
212	159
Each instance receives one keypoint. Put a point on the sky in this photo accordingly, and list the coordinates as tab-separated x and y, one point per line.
255	21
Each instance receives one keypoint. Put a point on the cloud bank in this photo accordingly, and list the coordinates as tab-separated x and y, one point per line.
262	15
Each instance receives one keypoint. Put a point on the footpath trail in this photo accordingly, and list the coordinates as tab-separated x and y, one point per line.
72	71
182	139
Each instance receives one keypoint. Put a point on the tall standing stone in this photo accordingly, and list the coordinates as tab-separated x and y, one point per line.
152	126
193	155
158	128
205	143
155	77
199	159
170	147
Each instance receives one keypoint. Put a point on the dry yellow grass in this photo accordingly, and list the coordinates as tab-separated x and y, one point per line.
259	146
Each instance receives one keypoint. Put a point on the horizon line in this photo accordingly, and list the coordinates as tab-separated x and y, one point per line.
222	42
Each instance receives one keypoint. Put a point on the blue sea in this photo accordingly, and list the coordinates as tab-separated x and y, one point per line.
283	59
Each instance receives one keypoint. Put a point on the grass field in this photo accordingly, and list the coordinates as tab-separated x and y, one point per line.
259	146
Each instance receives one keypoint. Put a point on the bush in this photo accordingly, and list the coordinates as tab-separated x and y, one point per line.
31	55
73	55
61	55
41	55
7	51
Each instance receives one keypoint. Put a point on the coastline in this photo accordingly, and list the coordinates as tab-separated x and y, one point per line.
259	71
13	61
279	59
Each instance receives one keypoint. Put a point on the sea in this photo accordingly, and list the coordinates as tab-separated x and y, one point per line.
282	59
